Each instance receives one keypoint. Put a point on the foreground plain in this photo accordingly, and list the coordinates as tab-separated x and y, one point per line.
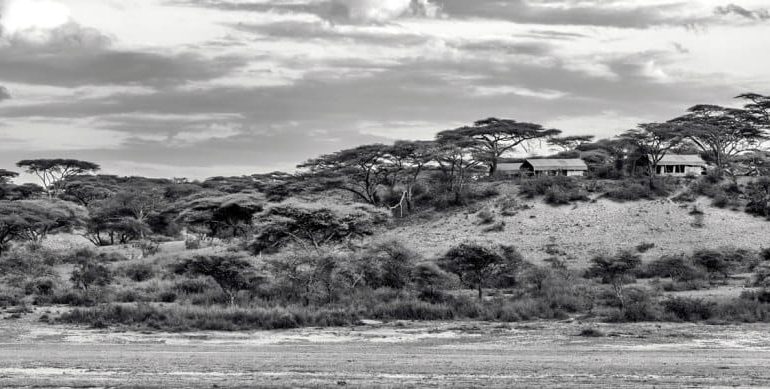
399	354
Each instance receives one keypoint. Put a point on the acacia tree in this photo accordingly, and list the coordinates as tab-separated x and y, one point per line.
218	214
494	137
313	225
358	170
52	171
6	176
231	273
84	189
615	270
569	143
476	263
758	107
33	220
654	140
722	132
405	161
457	159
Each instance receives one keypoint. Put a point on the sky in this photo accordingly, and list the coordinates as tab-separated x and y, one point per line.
200	88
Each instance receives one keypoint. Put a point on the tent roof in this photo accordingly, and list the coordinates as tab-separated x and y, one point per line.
557	164
681	159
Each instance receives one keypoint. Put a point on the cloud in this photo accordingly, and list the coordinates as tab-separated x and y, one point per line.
609	13
379	11
73	55
4	93
339	11
734	9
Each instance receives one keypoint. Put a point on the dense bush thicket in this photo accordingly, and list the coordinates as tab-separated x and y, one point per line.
557	190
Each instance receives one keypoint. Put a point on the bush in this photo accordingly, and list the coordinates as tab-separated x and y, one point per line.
678	268
644	247
138	272
497	227
721	262
209	318
689	309
557	190
486	217
147	247
638	189
88	273
591	333
412	310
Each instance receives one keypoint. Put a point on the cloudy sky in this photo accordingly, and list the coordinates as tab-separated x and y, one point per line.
198	88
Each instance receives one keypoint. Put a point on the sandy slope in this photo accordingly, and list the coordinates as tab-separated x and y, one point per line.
586	229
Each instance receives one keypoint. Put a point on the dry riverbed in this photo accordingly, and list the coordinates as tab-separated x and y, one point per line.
398	354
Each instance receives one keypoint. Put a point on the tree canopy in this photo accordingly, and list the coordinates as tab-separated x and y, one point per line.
33	220
52	171
494	137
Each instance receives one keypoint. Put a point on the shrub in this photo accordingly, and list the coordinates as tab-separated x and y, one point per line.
591	333
389	264
231	273
209	318
41	286
644	247
193	285
678	268
138	272
497	227
477	264
758	195
689	309
89	273
638	189
192	244
557	190
722	261
147	247
615	270
412	310
486	217
762	277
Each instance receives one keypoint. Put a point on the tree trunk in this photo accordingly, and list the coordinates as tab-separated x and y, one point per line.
481	291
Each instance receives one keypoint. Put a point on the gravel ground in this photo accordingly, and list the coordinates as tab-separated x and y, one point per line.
436	354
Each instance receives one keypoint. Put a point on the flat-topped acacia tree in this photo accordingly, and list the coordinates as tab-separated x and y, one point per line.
52	172
6	176
494	137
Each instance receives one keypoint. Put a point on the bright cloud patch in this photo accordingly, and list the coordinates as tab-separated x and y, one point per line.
383	10
21	15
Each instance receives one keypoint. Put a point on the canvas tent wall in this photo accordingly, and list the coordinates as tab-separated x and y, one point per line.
677	165
555	167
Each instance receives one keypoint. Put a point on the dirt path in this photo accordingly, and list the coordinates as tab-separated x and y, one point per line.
393	355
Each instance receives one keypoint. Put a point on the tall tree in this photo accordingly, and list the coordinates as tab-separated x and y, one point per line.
407	160
495	137
457	159
52	171
358	170
476	263
6	176
654	140
758	107
570	143
33	220
721	132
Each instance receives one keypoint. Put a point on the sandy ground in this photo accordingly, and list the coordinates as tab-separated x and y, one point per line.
395	355
578	232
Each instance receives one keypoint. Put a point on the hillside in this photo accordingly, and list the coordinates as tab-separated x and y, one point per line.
577	232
